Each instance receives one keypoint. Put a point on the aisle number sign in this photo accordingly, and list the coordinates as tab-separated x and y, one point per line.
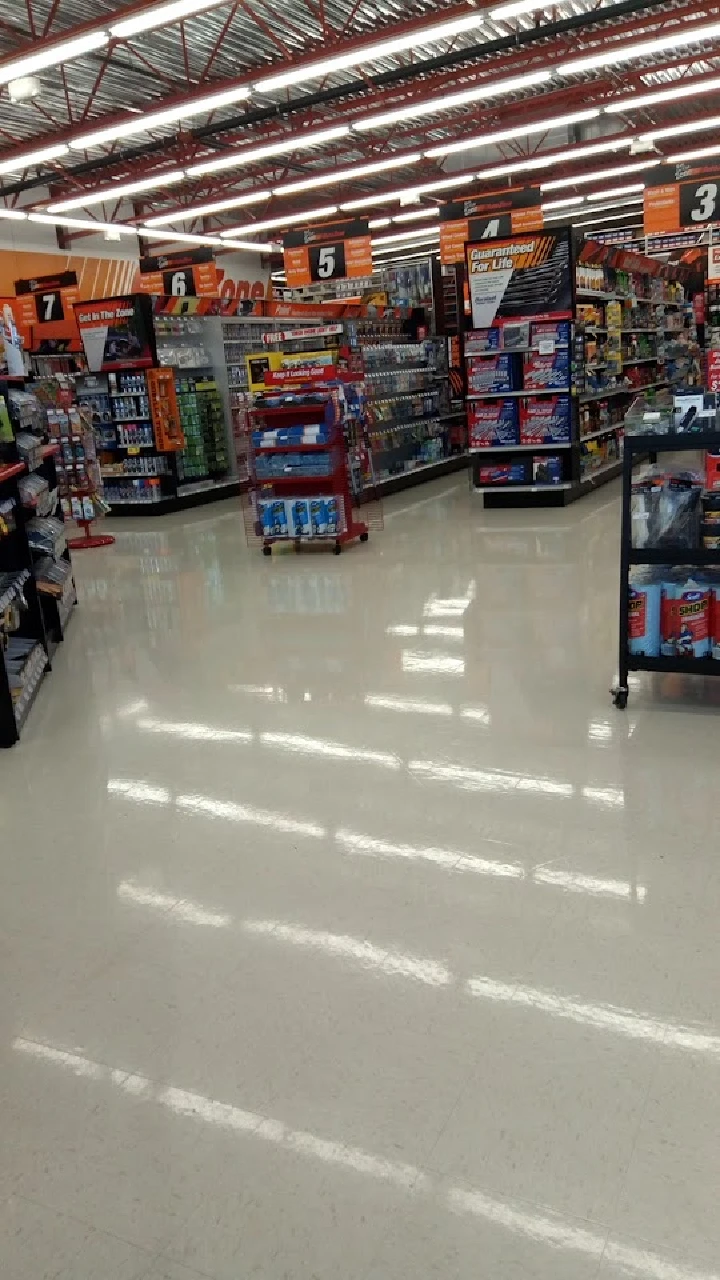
682	196
45	307
190	274
333	251
483	217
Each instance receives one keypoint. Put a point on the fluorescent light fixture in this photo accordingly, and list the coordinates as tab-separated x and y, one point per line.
81	224
252	246
519	131
516	8
31	158
616	191
57	53
430	106
370	53
700	154
415	215
325	211
201	210
395	255
557	157
681	89
248	155
157	119
169	236
408	194
333	176
612	53
409	237
117	192
590	211
598	175
374	223
611	217
17	215
161	16
562	204
677	130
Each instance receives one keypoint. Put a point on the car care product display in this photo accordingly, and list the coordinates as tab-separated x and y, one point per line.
565	332
670	540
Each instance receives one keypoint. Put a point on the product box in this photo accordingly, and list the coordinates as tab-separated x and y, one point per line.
547	469
515	335
298	517
712	472
551	373
493	372
318	516
557	331
493	423
332	515
545	420
506	473
482	340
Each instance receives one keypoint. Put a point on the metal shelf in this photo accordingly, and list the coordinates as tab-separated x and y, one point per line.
677	664
508	351
522	488
673	555
672	442
499	395
618	426
517	448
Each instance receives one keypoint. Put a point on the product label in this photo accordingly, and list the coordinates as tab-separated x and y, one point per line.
637	616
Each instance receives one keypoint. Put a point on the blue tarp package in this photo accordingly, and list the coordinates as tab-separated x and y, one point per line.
493	423
493	373
551	372
644	616
545	420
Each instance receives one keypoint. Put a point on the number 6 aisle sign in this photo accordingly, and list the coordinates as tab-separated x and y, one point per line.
682	196
333	251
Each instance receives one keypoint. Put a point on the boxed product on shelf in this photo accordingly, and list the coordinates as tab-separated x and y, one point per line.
514	335
497	372
505	473
546	372
482	340
545	420
557	331
493	423
547	469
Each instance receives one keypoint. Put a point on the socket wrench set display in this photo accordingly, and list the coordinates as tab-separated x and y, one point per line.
547	385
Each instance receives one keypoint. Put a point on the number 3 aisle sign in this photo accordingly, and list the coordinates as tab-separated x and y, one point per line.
682	196
335	251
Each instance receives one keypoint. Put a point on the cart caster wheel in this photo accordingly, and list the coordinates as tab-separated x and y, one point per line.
337	548
620	697
364	537
267	551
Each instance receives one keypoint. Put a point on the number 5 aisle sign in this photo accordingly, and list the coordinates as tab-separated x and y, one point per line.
681	196
334	251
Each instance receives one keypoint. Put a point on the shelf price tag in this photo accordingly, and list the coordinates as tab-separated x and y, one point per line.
331	251
133	450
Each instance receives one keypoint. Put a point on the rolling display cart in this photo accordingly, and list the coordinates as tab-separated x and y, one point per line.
668	621
305	467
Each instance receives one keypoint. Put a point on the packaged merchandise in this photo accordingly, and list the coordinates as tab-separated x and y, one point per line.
298	516
546	372
265	517
482	340
545	420
493	423
557	331
715	619
547	469
712	472
685	619
665	509
644	604
332	515
318	516
508	473
492	373
515	335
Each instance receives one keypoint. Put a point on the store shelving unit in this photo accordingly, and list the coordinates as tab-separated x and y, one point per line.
635	446
616	346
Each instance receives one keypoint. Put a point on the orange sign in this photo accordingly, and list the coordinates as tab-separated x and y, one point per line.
682	197
191	274
661	208
335	251
487	217
164	411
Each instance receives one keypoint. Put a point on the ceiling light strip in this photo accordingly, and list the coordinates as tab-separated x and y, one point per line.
448	102
117	192
519	131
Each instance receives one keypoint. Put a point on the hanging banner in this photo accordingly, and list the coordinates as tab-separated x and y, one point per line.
333	251
45	311
117	333
681	196
189	274
526	276
484	217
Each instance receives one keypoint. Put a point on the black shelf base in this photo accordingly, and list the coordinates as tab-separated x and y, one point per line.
182	502
675	665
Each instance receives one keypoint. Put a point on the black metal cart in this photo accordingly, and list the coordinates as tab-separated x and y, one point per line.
635	446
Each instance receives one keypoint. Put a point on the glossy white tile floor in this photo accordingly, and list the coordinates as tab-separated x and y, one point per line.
347	931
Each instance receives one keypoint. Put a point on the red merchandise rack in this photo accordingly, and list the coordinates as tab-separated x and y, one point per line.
320	404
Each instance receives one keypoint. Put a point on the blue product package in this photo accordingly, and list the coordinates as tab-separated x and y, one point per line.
318	518
492	423
557	331
505	473
545	420
265	516
547	469
547	373
332	515
298	517
279	518
491	373
644	602
482	340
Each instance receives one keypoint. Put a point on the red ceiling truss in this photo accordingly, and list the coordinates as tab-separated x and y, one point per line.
240	41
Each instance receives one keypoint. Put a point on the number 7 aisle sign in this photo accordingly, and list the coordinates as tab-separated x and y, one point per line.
332	251
681	196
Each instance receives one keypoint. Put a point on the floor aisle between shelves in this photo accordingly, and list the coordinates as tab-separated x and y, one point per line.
347	929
